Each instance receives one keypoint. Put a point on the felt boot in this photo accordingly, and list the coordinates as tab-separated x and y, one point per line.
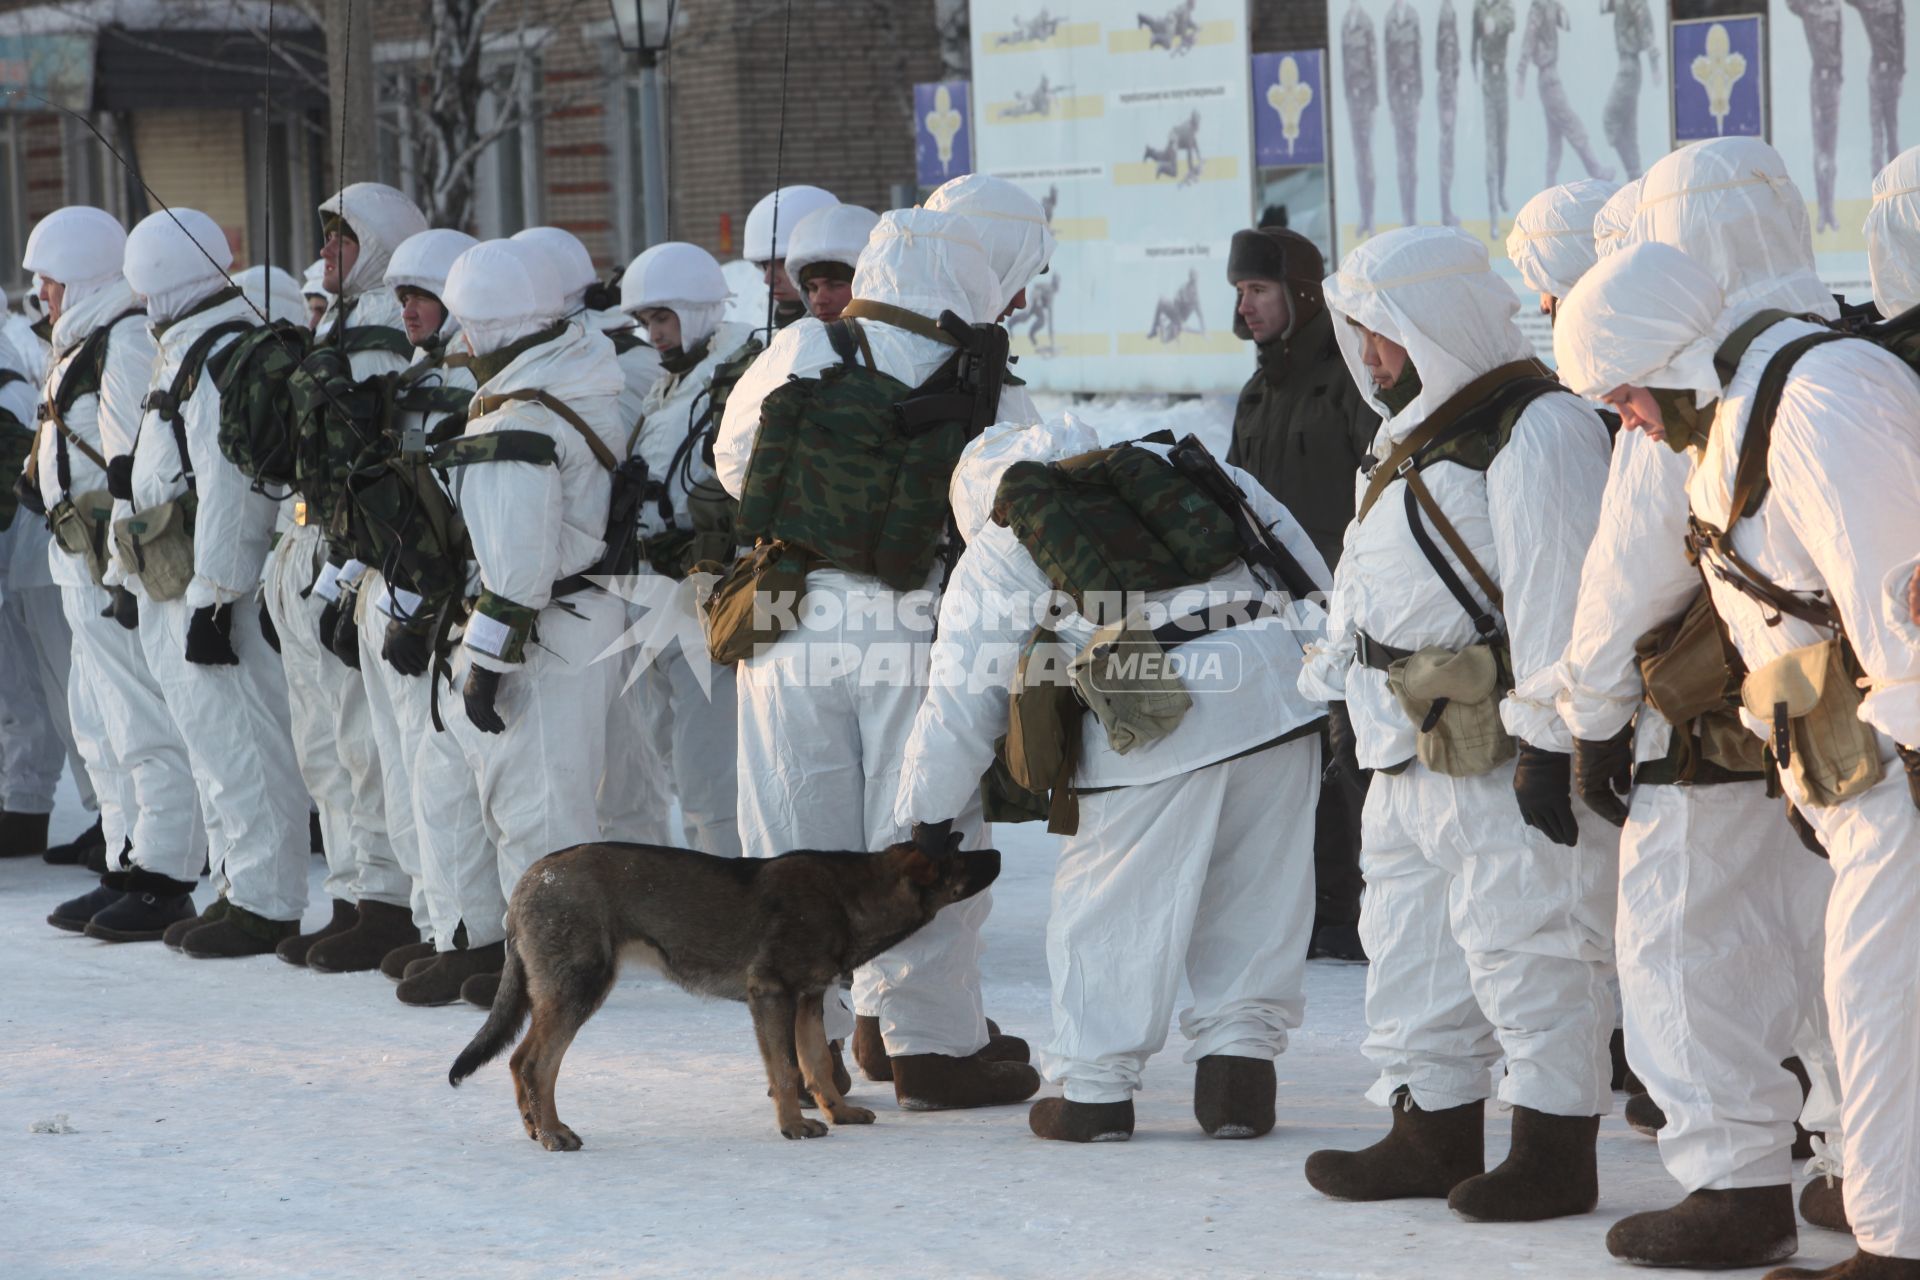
1644	1115
870	1051
151	904
480	989
176	934
238	932
394	963
1001	1047
73	914
438	981
22	834
1065	1121
77	851
1711	1231
1549	1172
380	928
1861	1266
1233	1097
937	1082
1425	1156
294	950
1821	1204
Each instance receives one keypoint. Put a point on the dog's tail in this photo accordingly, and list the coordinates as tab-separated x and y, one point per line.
504	1020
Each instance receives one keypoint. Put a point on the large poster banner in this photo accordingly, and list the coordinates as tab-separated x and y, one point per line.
1841	110
1132	126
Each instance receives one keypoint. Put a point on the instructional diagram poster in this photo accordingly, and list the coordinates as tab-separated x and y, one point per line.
1843	106
1458	111
1131	124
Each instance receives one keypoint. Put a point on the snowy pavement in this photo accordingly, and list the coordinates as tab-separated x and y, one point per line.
246	1119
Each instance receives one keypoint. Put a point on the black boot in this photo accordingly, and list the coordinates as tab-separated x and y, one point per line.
238	932
1822	1204
940	1082
1624	1081
1802	1139
870	1051
380	928
294	950
480	989
394	963
1549	1172
1425	1156
73	914
1861	1266
1001	1047
1065	1121
1645	1116
143	912
438	981
22	834
176	934
78	851
1711	1231
1233	1097
1339	941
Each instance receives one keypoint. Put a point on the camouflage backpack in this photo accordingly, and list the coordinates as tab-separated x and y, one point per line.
853	465
256	402
1115	521
338	419
711	510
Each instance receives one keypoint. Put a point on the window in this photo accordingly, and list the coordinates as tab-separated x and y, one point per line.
626	148
93	176
281	226
507	185
13	240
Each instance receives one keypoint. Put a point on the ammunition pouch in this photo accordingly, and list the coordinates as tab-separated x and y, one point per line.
1810	699
748	609
1041	751
1123	678
80	526
155	545
1692	678
1453	698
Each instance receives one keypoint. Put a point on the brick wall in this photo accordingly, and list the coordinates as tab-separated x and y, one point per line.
1287	24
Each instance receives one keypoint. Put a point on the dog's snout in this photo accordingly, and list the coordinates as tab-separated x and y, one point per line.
981	868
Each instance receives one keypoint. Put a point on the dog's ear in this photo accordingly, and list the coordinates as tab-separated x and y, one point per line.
919	868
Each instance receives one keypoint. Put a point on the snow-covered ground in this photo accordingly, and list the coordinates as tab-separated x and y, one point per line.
245	1119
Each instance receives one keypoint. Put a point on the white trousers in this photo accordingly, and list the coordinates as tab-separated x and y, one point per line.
692	730
1209	873
1719	937
36	735
233	720
1873	998
636	791
824	717
397	715
1485	938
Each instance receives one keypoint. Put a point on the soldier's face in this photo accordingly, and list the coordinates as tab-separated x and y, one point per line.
775	274
1263	305
1385	359
53	293
338	254
826	299
421	314
663	328
316	310
1637	409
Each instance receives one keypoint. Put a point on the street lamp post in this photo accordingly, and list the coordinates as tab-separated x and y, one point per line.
645	27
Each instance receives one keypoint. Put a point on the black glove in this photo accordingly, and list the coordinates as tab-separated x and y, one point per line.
1603	772
405	649
210	637
27	491
1804	829
1343	758
935	839
267	632
1543	784
343	638
483	686
124	608
120	477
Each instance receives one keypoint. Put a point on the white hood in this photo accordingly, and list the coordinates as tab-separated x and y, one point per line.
976	477
928	263
77	323
1010	223
1729	204
1551	244
1431	290
1614	220
80	247
770	225
681	278
1893	235
1644	317
836	233
175	258
383	219
499	294
572	264
275	293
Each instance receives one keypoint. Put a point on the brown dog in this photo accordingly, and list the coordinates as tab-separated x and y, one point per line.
773	932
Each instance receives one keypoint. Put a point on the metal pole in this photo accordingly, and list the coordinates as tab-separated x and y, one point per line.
653	151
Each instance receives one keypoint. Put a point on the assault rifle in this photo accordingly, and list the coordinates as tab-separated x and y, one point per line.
1265	554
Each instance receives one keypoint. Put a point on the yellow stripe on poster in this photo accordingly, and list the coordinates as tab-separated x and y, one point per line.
1060	344
1220	343
1068	229
1140	40
1147	173
1847	236
1070	35
1083	106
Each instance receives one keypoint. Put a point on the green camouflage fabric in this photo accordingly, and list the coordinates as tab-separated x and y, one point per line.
256	401
519	619
339	426
1899	335
1476	449
833	472
16	446
1113	521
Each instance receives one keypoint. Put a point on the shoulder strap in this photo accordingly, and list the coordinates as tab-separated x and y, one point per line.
850	343
899	317
483	405
85	371
185	382
10	376
1750	470
1470	397
1727	357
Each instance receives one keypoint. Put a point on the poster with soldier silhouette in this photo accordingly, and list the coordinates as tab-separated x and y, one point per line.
1132	125
1456	112
1843	107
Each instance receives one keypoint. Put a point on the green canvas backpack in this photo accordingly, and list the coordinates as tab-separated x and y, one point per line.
256	402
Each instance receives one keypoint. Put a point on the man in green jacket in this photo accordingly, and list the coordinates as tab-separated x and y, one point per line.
1302	428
